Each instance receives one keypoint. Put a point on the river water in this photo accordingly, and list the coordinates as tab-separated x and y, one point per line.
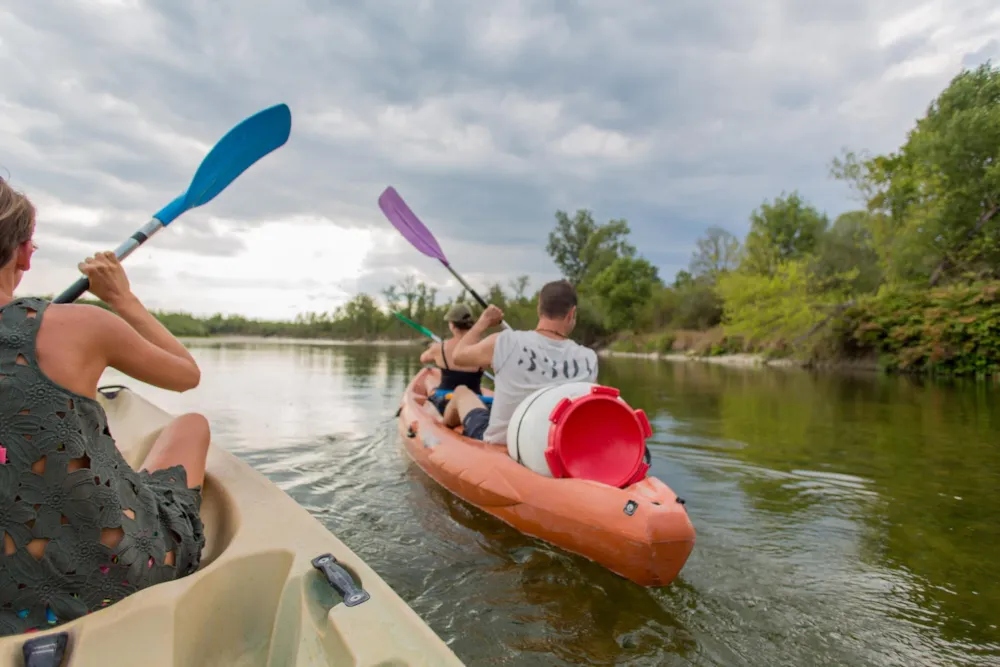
841	520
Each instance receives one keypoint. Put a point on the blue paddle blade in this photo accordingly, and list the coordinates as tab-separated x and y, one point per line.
243	145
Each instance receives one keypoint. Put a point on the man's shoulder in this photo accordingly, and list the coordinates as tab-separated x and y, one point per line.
530	336
518	335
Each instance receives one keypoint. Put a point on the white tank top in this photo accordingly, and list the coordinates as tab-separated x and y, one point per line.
524	361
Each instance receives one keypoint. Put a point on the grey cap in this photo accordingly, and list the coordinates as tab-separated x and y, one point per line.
459	314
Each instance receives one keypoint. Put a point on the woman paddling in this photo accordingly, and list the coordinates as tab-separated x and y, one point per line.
81	529
460	320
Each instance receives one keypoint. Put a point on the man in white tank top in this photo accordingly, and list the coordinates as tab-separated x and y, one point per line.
523	361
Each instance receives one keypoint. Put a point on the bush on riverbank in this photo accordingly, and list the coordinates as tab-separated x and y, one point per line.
953	330
713	342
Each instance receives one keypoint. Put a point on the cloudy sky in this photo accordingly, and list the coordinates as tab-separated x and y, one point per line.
486	116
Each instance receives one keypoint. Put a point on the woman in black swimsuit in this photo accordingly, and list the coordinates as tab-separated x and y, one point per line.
460	320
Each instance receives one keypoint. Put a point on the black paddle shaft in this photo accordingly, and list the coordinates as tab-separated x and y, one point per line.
481	300
140	236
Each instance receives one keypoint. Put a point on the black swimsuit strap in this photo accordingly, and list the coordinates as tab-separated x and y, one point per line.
444	357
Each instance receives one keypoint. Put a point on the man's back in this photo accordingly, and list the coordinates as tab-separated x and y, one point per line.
525	361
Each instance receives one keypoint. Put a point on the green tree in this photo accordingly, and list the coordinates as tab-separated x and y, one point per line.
935	202
391	297
520	287
778	305
623	289
407	291
847	245
716	252
581	248
660	311
364	311
683	279
496	296
788	229
698	305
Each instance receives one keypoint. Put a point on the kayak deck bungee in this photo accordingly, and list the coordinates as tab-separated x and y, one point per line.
261	596
641	532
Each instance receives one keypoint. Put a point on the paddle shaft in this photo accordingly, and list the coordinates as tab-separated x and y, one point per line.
482	302
141	235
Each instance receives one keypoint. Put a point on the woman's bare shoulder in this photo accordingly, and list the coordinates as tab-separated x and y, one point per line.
79	313
84	322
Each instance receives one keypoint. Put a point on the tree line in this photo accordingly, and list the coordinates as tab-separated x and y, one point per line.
362	318
908	279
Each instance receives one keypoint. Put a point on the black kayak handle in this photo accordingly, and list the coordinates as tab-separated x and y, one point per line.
45	651
340	579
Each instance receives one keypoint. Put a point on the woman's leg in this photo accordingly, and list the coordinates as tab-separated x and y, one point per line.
463	401
184	441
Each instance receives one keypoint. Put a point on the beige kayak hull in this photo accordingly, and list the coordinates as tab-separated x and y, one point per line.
257	599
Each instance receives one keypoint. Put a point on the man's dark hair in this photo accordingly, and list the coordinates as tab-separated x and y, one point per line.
556	299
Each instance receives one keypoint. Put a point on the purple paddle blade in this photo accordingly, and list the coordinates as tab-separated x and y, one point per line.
409	225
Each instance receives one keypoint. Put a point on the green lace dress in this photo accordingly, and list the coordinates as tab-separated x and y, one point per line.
77	574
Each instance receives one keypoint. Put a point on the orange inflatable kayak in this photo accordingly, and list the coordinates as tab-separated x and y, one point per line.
641	532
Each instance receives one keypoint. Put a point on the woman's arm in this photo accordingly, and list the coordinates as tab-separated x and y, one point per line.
429	356
146	325
470	350
134	342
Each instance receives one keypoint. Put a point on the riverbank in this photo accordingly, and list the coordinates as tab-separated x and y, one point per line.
747	360
740	360
289	340
711	346
946	331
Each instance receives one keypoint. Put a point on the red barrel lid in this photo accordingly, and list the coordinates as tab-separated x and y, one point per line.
598	437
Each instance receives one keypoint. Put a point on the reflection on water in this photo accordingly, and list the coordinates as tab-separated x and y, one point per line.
841	520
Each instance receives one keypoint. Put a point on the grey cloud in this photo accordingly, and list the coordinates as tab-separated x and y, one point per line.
144	275
991	50
191	233
57	255
735	102
260	282
54	268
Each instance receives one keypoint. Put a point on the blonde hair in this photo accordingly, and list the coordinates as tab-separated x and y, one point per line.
17	221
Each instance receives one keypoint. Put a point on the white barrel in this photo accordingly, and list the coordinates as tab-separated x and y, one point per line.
528	429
